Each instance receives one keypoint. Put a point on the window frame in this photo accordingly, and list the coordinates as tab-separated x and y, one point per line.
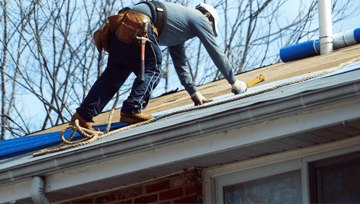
254	174
213	177
313	166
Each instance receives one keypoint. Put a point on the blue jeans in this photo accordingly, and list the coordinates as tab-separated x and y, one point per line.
122	61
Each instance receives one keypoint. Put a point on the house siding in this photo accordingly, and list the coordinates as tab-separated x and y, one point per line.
184	187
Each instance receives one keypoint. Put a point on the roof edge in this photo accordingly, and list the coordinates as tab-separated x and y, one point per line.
144	141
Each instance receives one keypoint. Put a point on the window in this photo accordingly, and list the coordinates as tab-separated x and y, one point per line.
277	183
329	176
281	188
335	180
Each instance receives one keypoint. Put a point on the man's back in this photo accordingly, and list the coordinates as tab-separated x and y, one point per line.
182	23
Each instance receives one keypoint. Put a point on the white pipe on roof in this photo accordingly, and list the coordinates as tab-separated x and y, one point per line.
37	191
325	27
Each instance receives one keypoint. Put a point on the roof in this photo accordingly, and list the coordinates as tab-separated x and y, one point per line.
272	73
220	134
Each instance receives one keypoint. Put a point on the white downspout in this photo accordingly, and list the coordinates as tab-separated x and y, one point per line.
325	25
37	191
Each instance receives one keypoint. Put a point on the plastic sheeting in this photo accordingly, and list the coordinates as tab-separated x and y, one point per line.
312	47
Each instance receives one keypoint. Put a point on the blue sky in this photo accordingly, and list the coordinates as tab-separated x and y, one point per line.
30	103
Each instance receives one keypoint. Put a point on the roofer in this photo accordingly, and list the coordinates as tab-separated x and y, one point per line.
182	24
174	24
118	38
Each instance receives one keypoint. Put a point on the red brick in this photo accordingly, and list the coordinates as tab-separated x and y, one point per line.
182	181
124	202
193	189
159	186
87	201
105	199
190	199
129	193
146	199
175	193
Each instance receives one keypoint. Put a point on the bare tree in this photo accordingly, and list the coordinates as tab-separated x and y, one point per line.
47	50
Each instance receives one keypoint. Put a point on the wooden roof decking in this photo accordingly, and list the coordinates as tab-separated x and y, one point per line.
272	73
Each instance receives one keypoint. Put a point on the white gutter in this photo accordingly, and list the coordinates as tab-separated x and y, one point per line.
325	27
37	191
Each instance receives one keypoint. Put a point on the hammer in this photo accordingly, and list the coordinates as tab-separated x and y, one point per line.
143	42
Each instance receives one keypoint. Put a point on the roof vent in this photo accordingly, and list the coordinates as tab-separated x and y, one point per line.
325	27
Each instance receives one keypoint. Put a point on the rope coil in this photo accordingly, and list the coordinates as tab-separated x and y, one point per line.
91	136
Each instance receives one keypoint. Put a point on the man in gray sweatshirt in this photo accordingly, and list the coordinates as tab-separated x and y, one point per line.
184	23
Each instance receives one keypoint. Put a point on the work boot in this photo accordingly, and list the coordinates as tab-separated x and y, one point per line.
134	118
82	122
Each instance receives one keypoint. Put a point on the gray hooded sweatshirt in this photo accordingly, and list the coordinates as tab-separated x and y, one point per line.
184	23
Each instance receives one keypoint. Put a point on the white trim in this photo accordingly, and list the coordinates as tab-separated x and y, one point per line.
262	164
15	192
208	192
336	152
305	182
308	154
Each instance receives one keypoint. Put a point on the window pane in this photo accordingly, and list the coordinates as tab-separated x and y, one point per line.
281	188
339	183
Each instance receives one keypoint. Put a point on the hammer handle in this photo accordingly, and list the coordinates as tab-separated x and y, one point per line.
142	68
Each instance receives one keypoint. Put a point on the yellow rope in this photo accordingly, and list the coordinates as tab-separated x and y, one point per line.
95	135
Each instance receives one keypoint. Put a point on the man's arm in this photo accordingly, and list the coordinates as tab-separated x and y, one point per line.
205	33
206	36
178	56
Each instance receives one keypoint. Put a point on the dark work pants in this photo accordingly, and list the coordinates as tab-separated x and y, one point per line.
123	60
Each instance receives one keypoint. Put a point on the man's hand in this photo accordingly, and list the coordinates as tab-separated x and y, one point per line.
199	99
238	87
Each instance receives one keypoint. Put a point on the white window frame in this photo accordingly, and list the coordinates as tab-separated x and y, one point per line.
215	178
254	174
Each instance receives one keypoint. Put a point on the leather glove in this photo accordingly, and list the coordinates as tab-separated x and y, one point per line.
199	99
238	87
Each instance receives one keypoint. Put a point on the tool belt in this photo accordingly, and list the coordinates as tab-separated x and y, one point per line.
127	25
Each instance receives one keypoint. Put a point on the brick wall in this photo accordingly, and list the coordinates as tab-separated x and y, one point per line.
180	188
